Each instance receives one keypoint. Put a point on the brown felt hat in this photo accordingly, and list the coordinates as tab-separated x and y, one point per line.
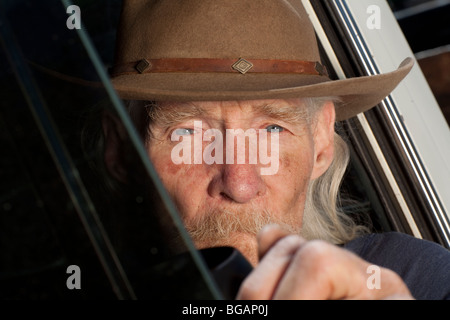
192	50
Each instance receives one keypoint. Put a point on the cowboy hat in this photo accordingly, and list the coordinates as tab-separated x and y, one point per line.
194	50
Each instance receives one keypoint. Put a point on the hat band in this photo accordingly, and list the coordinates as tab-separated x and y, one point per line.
193	65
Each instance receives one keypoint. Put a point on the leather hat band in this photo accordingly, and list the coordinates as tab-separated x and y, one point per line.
243	66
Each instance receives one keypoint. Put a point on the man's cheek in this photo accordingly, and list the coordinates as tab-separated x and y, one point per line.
295	171
169	169
296	162
162	162
285	161
181	180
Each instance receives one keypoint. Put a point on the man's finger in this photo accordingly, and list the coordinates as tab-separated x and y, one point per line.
321	271
268	236
262	282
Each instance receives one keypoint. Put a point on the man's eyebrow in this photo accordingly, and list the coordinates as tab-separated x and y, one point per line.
168	114
285	112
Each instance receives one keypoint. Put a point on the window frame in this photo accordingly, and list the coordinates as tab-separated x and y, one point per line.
400	136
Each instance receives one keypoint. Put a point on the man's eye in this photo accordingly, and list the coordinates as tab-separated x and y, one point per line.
274	128
184	131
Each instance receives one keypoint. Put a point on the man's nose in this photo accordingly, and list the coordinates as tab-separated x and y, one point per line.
238	182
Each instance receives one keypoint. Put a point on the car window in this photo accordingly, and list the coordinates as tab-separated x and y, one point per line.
67	231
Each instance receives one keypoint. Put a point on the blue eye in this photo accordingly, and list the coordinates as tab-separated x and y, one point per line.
274	128
184	131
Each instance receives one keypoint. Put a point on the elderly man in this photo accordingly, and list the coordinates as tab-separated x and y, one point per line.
199	76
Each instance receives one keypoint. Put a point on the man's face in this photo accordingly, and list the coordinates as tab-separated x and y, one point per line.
226	202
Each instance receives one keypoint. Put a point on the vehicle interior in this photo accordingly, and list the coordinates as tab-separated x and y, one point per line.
57	209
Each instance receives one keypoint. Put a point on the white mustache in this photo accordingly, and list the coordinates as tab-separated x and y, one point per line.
216	225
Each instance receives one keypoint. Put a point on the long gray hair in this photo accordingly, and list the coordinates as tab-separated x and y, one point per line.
323	217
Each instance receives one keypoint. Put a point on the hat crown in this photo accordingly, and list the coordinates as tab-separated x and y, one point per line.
231	29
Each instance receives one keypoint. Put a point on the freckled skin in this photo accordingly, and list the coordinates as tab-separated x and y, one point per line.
172	168
196	187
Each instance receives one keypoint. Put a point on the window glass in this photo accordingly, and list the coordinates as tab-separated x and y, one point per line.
69	228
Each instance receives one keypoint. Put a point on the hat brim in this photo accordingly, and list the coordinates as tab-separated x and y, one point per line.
356	94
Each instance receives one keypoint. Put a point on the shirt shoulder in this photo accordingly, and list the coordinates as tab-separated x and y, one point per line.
423	265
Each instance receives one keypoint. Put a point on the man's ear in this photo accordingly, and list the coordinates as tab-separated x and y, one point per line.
323	139
114	156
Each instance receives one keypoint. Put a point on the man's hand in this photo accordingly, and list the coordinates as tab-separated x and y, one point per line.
293	268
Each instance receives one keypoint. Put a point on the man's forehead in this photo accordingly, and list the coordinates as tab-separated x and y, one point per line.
256	104
272	107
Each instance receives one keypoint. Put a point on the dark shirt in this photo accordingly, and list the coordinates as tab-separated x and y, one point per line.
423	265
